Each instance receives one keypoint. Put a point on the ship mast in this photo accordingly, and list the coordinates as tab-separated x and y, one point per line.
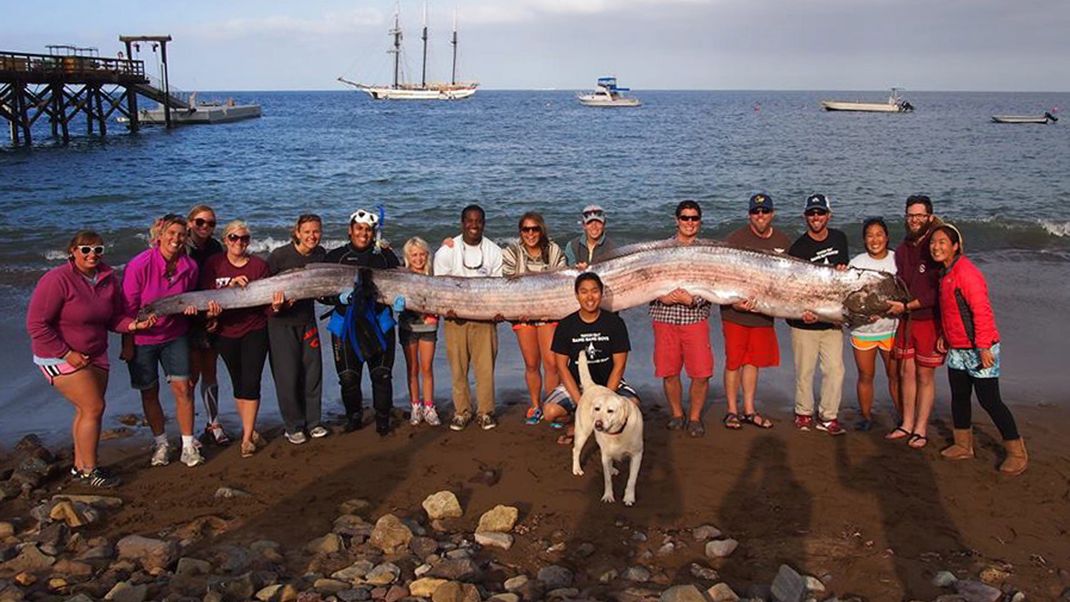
423	75
453	42
396	50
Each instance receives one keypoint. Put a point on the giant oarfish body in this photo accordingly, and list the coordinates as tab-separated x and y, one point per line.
782	286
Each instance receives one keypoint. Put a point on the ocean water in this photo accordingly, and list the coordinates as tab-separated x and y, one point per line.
1007	186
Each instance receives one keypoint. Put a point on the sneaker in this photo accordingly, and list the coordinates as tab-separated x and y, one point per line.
431	415
214	433
191	456
533	417
803	423
831	427
417	414
296	438
99	477
318	432
161	456
459	421
486	421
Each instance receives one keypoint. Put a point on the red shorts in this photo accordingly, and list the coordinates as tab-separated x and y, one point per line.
916	339
749	346
683	346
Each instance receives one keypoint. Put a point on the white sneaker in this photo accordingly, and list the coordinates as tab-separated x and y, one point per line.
161	456
431	416
296	438
191	456
318	432
417	414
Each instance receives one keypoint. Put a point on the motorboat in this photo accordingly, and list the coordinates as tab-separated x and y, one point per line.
199	112
1045	118
608	94
894	104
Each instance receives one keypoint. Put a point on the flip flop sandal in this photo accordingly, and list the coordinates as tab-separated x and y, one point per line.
892	435
556	425
731	422
757	420
915	439
566	440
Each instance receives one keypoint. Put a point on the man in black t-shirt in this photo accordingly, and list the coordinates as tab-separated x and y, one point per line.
811	340
603	336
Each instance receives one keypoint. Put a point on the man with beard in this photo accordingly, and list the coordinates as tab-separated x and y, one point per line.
915	340
364	250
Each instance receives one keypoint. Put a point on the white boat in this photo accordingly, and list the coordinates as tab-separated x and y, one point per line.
894	104
1045	118
423	91
607	94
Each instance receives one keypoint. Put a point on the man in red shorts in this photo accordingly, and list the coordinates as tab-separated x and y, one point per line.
915	340
749	338
682	336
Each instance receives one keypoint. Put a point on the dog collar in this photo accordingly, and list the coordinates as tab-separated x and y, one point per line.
622	427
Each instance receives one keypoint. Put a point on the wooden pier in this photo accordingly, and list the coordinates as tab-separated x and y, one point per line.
66	87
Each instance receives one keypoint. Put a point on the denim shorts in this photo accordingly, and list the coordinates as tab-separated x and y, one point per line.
172	355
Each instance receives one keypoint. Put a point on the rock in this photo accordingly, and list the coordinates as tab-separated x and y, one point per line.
240	587
608	576
354	506
328	544
72	568
226	493
354	572
505	597
57	584
28	479
25	579
722	593
814	585
100	552
329	586
638	574
390	534
384	574
705	532
682	593
1018	597
562	593
354	595
277	593
30	559
975	591
423	547
455	569
267	594
9	490
425	587
79	598
351	524
639	536
494	539
944	579
150	553
116	433
459	553
30	446
190	567
584	550
442	505
499	519
54	535
701	572
68	512
6	530
395	593
514	583
721	548
454	591
554	576
266	549
103	502
124	592
788	585
994	575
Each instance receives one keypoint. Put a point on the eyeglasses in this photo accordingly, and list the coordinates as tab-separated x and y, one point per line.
200	222
761	211
530	229
464	258
813	212
689	218
244	238
85	250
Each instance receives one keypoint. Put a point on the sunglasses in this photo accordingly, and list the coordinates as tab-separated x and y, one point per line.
689	218
200	222
244	238
590	213
530	229
813	212
97	250
761	211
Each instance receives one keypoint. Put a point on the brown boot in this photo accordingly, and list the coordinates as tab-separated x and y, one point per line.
962	449
1017	459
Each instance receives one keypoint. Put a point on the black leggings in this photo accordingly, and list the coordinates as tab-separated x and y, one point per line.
380	373
962	384
244	358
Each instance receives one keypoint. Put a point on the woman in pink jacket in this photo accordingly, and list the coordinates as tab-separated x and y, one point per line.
70	313
971	341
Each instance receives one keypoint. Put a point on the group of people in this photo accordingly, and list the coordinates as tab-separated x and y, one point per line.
948	318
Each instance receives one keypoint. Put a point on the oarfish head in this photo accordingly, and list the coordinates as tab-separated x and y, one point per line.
870	301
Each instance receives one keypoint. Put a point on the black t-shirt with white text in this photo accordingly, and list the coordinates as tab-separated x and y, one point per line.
599	339
831	251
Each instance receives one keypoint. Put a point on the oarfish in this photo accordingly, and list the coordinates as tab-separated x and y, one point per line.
781	286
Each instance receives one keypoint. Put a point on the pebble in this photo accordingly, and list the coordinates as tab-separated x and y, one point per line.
514	583
6	530
384	574
504	597
701	572
609	576
944	579
789	585
994	575
682	593
494	539
390	534
721	548
151	553
666	549
705	532
975	591
188	567
424	588
455	591
455	569
124	592
554	576
329	586
499	519
353	572
721	592
328	544
637	574
814	585
442	505
227	493
584	550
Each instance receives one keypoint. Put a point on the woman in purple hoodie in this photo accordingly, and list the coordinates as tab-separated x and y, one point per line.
70	313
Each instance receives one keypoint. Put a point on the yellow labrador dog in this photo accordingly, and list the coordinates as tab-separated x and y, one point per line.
617	425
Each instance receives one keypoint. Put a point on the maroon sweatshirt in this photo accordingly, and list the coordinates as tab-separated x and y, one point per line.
915	265
68	312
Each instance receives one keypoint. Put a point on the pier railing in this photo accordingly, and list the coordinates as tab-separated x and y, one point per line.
47	65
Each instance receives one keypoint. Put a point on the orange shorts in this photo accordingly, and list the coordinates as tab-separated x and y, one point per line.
916	339
686	346
866	345
749	346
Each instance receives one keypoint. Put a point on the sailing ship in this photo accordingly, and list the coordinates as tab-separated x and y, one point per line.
894	104
399	90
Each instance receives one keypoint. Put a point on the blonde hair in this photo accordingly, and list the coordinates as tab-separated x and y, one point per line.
413	244
161	224
235	225
199	209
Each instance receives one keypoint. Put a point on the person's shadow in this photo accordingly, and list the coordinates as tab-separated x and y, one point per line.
916	524
768	510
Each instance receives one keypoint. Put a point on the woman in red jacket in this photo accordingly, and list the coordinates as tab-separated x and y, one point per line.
70	313
972	343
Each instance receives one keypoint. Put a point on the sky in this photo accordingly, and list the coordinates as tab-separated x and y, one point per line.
990	45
